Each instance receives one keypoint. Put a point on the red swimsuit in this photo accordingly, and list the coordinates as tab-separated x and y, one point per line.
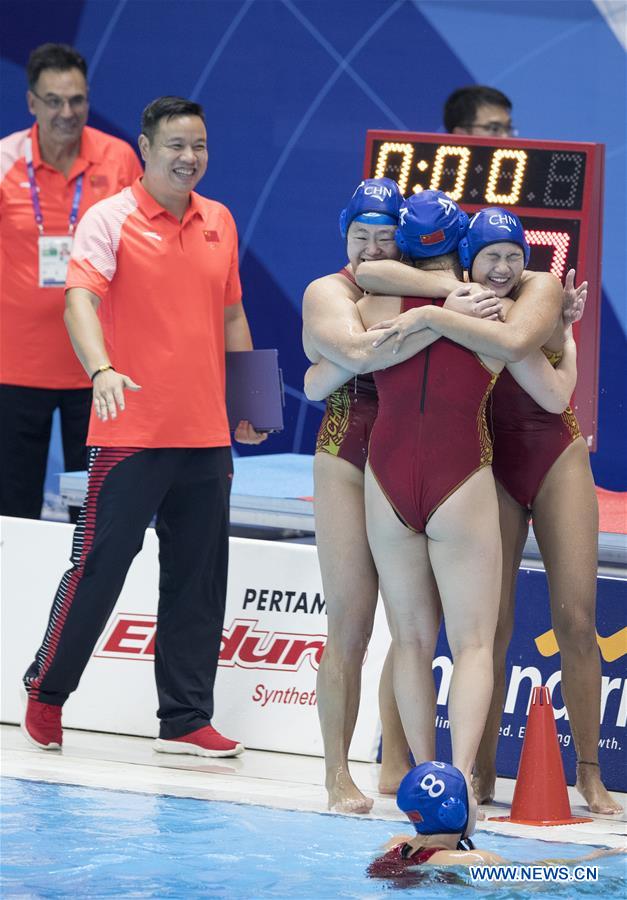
395	863
349	417
431	433
527	439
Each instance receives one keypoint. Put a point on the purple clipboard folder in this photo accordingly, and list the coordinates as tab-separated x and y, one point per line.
254	389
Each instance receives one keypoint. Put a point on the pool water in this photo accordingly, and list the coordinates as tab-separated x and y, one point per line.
67	841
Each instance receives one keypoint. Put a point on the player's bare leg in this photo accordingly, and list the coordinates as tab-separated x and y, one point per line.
465	553
514	529
395	749
350	588
566	523
413	610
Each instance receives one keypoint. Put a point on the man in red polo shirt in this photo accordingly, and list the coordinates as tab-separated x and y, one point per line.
50	175
153	301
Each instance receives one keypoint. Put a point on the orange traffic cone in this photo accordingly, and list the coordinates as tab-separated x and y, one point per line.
540	795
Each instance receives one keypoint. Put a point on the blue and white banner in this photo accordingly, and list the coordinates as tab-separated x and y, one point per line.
533	659
274	636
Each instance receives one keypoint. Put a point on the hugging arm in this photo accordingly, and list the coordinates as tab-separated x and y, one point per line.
388	276
330	320
325	377
551	388
335	339
529	325
332	324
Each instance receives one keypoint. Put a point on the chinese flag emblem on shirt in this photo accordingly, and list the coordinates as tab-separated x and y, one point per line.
212	237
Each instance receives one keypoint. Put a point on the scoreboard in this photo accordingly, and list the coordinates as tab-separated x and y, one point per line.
555	188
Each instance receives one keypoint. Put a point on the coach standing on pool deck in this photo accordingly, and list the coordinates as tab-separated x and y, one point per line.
159	263
50	175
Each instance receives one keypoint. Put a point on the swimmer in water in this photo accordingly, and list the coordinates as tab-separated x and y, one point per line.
434	796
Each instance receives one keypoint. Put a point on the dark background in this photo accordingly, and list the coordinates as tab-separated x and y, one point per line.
290	88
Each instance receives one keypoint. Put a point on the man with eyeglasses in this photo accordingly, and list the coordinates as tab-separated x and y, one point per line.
50	175
479	110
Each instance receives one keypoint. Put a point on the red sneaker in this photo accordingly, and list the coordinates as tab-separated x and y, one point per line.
203	742
42	725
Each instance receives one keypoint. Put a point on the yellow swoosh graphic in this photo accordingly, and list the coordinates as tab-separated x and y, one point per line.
547	643
612	647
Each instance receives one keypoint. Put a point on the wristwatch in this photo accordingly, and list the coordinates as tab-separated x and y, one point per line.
100	369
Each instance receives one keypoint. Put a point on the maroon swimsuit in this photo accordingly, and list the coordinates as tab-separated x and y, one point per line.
431	432
395	862
349	417
527	438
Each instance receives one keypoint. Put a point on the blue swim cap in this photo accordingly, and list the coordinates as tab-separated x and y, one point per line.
376	201
430	224
492	225
434	797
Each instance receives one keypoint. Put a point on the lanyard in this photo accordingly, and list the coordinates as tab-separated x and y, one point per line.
34	193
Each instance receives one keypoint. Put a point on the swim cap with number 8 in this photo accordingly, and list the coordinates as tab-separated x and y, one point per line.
434	797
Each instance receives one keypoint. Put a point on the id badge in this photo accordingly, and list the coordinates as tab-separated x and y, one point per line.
54	256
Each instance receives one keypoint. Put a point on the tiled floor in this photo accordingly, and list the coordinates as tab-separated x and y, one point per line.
270	779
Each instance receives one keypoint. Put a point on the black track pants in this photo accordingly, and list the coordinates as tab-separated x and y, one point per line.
25	426
189	491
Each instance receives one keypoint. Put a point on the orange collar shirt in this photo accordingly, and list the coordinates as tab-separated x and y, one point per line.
35	349
163	286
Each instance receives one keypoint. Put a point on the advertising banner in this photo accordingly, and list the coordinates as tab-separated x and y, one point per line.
533	659
274	635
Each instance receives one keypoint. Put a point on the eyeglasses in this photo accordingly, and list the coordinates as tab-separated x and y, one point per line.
495	129
55	103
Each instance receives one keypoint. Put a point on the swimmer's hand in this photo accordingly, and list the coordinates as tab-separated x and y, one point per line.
597	854
574	300
403	325
473	300
396	840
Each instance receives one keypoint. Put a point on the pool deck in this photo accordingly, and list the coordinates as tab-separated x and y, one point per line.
278	780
